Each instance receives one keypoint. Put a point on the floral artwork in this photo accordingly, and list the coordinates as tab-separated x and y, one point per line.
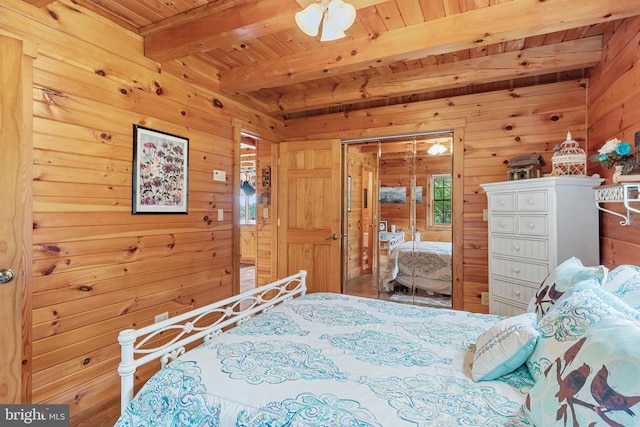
160	172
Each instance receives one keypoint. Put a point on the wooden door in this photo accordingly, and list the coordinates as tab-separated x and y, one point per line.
309	230
15	221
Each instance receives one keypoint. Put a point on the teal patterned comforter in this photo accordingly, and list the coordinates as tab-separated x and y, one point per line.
335	360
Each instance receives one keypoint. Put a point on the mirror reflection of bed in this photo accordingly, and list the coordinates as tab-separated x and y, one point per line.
401	218
417	271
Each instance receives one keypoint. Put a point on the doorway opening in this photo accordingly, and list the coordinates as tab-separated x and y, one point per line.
398	221
247	206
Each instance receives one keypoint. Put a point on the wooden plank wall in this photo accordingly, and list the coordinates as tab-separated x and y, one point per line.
614	112
396	171
497	126
97	268
266	262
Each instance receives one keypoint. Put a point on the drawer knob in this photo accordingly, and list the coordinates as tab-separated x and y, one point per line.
501	224
517	293
502	202
516	247
532	201
516	270
532	225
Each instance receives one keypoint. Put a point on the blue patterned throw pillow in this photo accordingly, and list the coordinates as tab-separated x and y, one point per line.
595	382
504	347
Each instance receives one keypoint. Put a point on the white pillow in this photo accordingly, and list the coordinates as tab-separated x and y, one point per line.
504	347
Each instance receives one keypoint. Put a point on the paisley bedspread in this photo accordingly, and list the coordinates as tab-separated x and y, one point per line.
425	265
335	360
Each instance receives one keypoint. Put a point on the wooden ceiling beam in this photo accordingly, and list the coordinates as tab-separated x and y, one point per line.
206	31
485	26
222	24
39	3
565	56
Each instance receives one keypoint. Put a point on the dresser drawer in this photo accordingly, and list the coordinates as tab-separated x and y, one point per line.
502	202
526	271
532	201
512	291
503	224
505	307
532	249
532	225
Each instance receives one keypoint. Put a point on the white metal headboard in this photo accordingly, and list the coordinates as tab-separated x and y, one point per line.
395	242
230	311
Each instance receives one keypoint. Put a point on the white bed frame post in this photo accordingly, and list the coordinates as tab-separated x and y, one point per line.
127	366
186	328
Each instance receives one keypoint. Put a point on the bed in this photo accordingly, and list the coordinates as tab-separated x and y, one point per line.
421	265
321	359
276	357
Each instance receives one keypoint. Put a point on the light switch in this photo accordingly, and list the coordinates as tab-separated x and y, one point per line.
219	175
265	212
220	214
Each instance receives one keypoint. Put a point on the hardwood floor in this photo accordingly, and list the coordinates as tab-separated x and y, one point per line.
105	416
365	285
247	277
362	286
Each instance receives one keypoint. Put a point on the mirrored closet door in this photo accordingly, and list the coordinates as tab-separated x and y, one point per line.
398	219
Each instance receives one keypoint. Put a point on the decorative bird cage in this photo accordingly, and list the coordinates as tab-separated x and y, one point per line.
570	159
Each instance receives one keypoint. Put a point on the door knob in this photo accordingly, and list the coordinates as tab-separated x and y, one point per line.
333	237
6	276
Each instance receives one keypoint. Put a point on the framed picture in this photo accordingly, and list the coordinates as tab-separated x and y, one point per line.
160	172
383	226
393	194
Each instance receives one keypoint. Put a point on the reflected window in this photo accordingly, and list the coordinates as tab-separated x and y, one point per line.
247	208
441	199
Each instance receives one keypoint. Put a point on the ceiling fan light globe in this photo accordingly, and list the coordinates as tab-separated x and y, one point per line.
329	33
437	149
308	19
341	15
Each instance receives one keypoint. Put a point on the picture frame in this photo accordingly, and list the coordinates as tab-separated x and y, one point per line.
393	194
383	226
160	172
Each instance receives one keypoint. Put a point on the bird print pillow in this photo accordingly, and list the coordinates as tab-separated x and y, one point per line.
579	310
560	280
596	382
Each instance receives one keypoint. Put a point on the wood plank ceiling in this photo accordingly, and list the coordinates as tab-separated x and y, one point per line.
397	51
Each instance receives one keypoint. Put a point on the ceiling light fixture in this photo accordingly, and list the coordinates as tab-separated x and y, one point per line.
338	17
437	149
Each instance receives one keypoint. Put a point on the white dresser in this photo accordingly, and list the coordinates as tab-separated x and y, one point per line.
534	225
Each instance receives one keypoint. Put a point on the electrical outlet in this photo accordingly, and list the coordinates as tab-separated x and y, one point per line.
484	298
162	316
220	214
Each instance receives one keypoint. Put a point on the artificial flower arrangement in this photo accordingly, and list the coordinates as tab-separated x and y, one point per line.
617	153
